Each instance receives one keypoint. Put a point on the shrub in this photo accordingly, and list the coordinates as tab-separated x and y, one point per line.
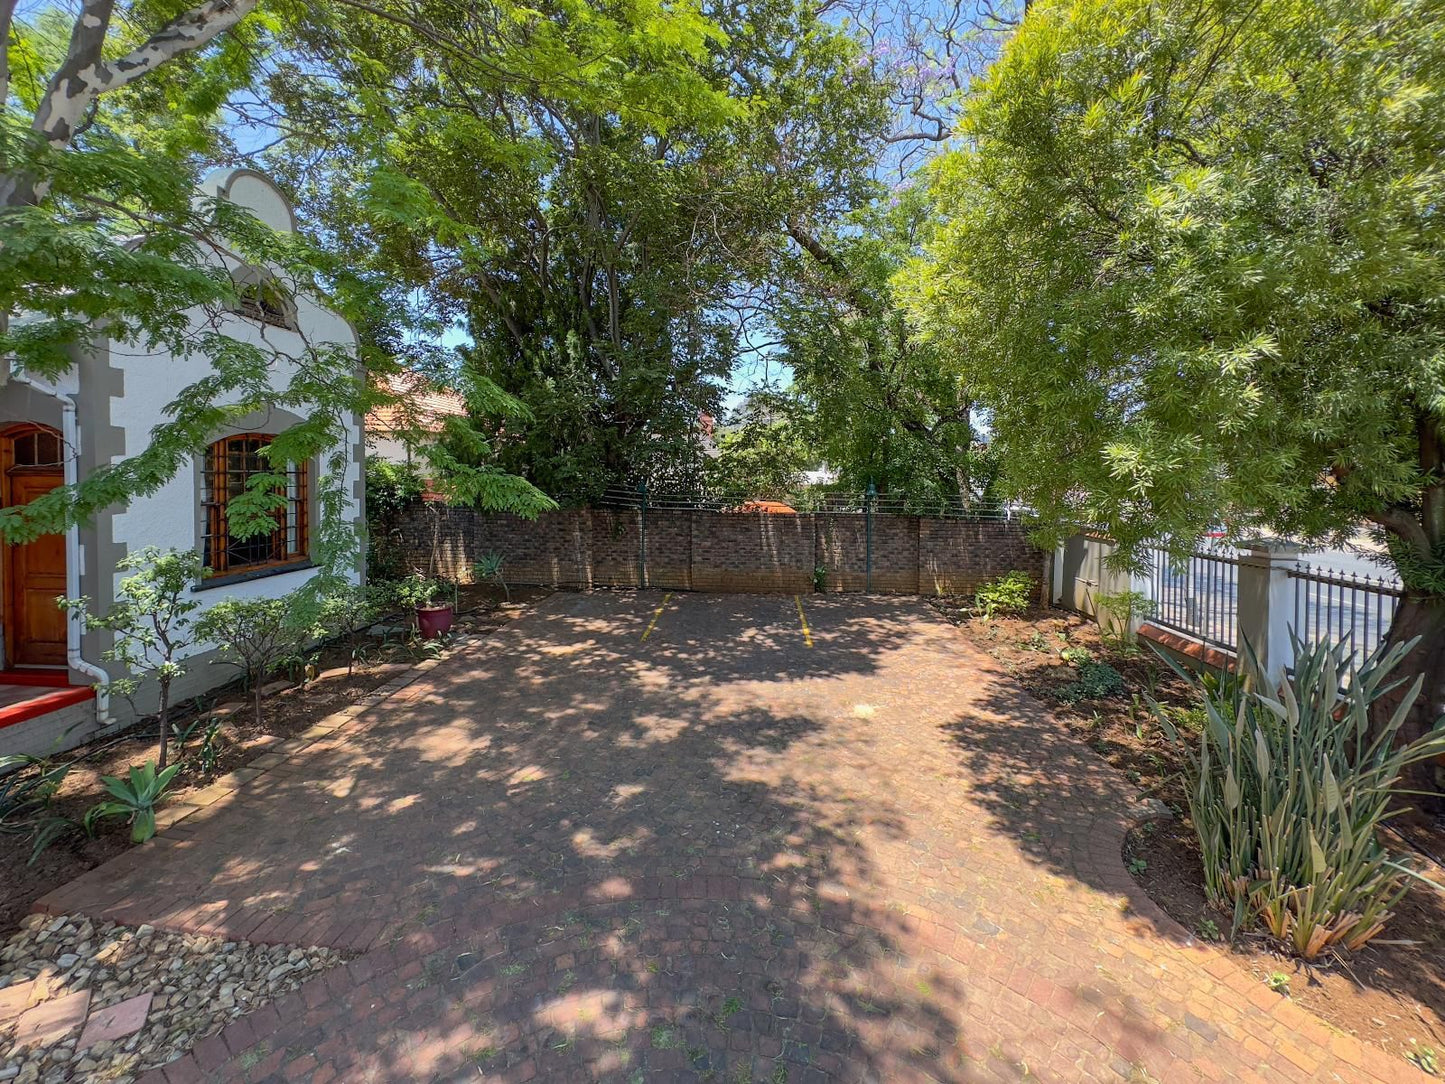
1009	594
152	621
254	635
1287	795
1096	681
1117	614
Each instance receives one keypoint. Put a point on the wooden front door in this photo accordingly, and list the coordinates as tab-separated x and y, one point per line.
34	572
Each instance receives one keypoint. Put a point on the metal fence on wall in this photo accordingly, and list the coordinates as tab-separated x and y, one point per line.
831	502
1197	595
1336	606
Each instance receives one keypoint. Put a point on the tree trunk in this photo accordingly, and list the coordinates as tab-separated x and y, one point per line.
1420	616
165	722
256	676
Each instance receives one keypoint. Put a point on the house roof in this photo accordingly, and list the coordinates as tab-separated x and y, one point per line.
418	404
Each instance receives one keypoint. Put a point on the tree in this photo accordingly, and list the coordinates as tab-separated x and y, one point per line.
885	408
253	634
110	116
152	621
762	455
595	191
1192	261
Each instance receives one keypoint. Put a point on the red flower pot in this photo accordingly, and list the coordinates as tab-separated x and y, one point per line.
434	621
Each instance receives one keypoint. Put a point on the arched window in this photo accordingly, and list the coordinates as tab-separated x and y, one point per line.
260	296
230	464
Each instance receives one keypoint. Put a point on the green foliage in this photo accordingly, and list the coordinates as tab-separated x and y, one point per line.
1076	656
763	453
28	785
1287	794
134	798
418	591
1117	615
820	578
105	236
1191	262
882	406
390	488
1011	593
490	568
600	220
253	634
152	620
1096	680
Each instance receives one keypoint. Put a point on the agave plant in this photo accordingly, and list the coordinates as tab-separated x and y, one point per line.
1287	793
134	797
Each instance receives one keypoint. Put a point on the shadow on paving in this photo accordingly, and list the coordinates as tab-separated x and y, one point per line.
622	870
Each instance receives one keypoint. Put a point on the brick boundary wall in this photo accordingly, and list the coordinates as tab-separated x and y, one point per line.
721	551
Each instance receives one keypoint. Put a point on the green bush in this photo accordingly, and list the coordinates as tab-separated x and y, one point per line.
1096	681
1287	795
1009	594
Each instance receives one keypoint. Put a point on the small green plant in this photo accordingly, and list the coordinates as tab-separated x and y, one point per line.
28	785
1118	614
152	622
820	578
1287	793
254	635
1278	981
135	798
1076	656
210	747
1208	929
1423	1057
1034	641
489	569
418	591
1096	681
1138	866
1011	593
350	608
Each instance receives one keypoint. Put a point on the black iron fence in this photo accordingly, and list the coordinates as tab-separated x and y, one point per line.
829	501
1197	594
1333	606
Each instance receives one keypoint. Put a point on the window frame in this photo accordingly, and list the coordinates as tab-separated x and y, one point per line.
215	494
252	287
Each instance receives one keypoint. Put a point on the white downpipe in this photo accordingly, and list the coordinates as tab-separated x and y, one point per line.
74	619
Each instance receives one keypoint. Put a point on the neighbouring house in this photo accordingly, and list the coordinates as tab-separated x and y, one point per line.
418	409
103	410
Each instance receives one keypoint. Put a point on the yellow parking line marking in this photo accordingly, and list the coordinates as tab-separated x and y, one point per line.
807	636
655	615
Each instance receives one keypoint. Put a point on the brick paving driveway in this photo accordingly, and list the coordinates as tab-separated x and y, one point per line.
612	843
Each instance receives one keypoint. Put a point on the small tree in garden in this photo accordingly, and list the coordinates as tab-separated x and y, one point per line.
152	622
350	608
254	634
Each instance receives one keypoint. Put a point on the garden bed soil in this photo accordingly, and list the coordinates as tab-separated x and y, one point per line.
1389	993
285	712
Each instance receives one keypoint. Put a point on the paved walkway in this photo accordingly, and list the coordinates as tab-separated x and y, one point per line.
700	840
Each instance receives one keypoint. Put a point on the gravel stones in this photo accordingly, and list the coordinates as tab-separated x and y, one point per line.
196	985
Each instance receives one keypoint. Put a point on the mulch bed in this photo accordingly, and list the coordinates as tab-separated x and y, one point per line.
285	713
1391	993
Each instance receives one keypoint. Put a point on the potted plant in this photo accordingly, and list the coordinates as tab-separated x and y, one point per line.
428	598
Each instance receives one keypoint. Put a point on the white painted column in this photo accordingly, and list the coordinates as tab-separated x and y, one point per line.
1266	603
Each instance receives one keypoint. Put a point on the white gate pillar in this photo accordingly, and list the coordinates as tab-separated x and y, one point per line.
1266	603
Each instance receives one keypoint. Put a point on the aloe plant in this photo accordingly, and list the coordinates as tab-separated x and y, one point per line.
1287	793
134	797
